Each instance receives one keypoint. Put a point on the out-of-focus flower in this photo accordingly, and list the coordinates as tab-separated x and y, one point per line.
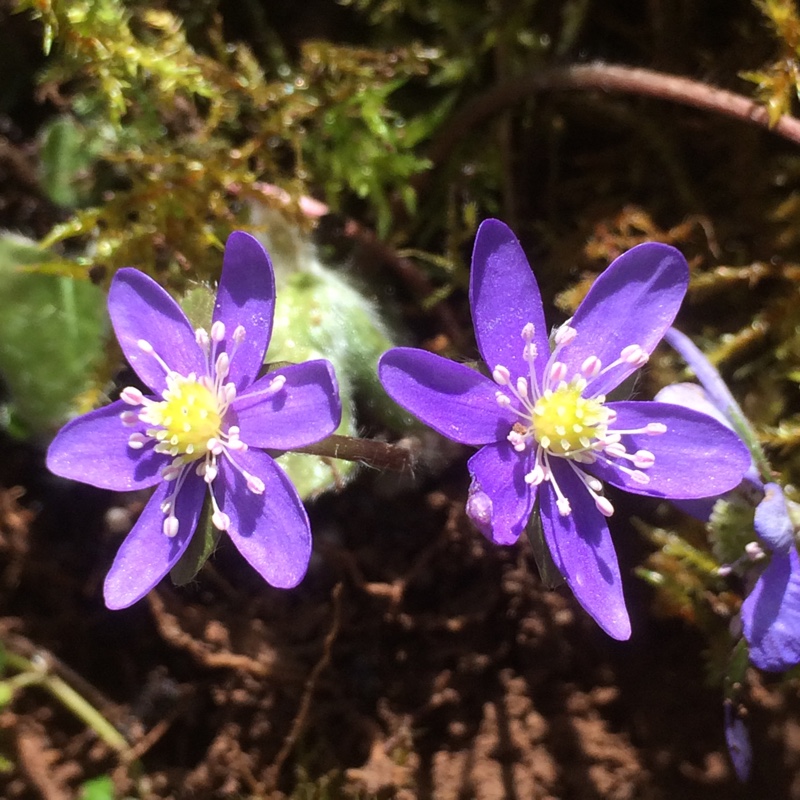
771	611
203	431
738	740
545	429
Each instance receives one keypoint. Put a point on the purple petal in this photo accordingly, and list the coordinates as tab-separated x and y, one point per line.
270	530
451	398
772	521
306	410
94	449
583	551
690	395
141	309
696	457
719	394
771	614
633	302
246	296
504	297
147	554
738	740
500	501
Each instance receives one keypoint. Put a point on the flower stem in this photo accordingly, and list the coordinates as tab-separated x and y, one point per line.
35	672
720	396
608	78
398	457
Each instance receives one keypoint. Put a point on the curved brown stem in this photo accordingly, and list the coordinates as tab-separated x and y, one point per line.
397	457
609	78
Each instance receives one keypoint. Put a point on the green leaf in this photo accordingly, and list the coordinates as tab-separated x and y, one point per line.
548	571
52	330
201	546
101	788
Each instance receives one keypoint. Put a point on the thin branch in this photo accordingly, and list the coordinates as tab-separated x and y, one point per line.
397	457
609	78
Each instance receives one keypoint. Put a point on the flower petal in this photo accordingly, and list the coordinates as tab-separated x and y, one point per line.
633	302
504	297
270	530
696	457
306	410
717	391
500	501
94	449
582	549
738	740
141	309
246	296
147	554
772	521
771	614
451	398
690	395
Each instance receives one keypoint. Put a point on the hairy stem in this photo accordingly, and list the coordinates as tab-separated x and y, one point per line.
608	78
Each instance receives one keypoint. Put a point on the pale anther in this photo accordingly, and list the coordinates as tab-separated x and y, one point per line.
238	334
604	506
137	441
527	331
634	354
591	366
653	428
643	459
501	376
145	346
564	507
565	334
221	520
170	527
132	396
218	331
557	372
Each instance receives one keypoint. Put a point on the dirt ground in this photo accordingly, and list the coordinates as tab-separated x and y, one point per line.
414	661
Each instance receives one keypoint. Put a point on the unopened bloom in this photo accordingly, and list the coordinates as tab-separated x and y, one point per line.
771	611
542	419
202	432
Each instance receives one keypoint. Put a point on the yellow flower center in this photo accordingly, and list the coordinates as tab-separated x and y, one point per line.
187	419
563	422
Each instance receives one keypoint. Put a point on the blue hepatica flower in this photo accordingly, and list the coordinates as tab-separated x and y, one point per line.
771	611
542	421
203	430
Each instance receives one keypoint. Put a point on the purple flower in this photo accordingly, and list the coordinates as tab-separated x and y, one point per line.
738	740
771	611
545	429
203	431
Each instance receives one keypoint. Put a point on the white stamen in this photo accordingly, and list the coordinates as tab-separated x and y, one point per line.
640	477
201	337
223	366
565	334
218	331
136	441
603	505
615	450
591	367
634	354
643	459
129	418
527	331
753	551
522	387
210	473
221	520
564	507
501	376
535	476
654	428
557	373
132	396
170	526
254	484
238	334
145	346
504	401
